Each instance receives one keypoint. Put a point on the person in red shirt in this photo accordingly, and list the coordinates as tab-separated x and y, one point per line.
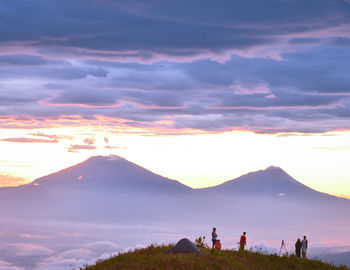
217	245
242	242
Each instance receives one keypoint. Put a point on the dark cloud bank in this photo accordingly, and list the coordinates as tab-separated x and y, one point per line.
263	66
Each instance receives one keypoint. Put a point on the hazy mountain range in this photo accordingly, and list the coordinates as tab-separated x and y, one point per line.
112	188
269	204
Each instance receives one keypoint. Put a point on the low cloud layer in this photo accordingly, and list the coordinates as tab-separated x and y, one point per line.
87	254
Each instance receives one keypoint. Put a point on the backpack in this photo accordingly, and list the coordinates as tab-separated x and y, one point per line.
217	245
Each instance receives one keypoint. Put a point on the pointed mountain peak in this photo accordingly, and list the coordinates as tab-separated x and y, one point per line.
106	158
106	173
272	174
273	181
273	170
107	161
270	168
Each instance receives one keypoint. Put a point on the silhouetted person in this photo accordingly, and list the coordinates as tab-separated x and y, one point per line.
242	242
214	236
298	247
304	244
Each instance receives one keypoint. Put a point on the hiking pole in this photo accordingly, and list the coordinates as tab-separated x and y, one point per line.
283	246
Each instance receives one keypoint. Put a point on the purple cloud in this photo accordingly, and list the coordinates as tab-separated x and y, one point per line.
36	236
74	147
9	266
266	67
27	249
21	60
166	28
51	136
89	141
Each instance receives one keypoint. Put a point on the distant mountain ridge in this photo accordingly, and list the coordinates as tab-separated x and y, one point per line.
109	173
110	187
272	181
116	174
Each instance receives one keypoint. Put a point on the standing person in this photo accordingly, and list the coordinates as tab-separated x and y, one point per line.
304	244
214	236
298	248
242	242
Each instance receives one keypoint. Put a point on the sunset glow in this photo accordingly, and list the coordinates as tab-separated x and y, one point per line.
197	160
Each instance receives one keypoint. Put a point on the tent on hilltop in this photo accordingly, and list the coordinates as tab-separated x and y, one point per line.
184	246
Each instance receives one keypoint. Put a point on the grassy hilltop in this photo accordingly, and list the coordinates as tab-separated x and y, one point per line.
153	258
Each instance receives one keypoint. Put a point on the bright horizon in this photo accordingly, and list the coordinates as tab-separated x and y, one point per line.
197	160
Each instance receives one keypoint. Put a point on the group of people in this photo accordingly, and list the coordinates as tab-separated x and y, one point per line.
217	243
300	246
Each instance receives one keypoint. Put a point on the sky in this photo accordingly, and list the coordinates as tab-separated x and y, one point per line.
198	91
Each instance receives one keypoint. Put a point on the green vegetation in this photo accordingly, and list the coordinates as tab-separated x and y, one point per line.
200	243
153	258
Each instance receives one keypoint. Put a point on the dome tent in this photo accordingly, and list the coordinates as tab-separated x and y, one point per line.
184	246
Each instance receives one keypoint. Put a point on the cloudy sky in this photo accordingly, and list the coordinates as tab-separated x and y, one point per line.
201	91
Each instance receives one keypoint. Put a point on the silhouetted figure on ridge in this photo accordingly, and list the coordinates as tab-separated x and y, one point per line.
214	236
304	244
298	247
242	242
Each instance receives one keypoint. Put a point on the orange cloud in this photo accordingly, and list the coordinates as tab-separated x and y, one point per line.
41	134
29	140
111	147
74	147
10	181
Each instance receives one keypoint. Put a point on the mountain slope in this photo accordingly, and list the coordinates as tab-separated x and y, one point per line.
112	188
100	188
271	182
110	174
